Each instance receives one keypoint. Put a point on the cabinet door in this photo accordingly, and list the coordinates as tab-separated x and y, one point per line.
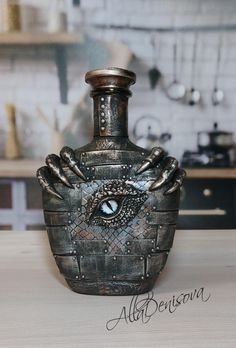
208	204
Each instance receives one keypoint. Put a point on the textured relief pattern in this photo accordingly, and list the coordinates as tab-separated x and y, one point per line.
114	204
118	233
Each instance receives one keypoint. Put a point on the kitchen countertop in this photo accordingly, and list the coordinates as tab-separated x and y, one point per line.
38	309
24	168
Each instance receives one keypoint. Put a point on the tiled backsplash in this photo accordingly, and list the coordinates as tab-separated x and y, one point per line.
29	78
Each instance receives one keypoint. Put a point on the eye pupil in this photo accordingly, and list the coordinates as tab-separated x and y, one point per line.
109	207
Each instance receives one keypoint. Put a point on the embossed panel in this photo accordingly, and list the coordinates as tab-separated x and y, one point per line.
165	236
155	263
68	266
60	240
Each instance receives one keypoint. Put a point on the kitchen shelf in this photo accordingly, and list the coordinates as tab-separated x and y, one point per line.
58	41
21	168
24	168
21	38
211	173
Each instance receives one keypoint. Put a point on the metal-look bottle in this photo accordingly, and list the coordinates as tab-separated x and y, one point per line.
110	207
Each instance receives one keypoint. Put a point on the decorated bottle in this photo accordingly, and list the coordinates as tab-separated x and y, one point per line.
110	207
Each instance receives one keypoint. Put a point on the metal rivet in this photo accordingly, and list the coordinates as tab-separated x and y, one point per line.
128	242
114	258
76	277
149	256
74	251
93	169
83	276
128	251
130	166
158	247
141	258
153	241
102	120
167	253
124	176
88	168
105	251
102	114
143	153
102	99
82	163
152	250
69	221
147	275
68	214
148	214
102	106
74	258
142	277
160	226
113	277
74	242
83	153
70	251
105	241
65	228
81	256
102	128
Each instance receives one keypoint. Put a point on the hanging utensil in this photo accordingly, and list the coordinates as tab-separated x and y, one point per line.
194	95
176	90
218	94
154	73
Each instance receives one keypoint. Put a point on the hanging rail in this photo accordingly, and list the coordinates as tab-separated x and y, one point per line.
210	28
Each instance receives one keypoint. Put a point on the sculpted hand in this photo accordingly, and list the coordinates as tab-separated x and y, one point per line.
54	166
170	171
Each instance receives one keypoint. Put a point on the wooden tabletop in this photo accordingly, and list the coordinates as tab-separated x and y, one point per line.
26	168
38	310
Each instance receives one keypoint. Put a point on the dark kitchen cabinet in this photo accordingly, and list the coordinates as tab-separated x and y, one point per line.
208	204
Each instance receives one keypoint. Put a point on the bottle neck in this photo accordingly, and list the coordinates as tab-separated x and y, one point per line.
110	114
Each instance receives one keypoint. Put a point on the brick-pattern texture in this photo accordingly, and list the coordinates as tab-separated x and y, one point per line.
29	78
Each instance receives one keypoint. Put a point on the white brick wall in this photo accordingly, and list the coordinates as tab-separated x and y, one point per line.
29	78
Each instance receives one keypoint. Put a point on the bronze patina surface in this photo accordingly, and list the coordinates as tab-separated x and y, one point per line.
110	207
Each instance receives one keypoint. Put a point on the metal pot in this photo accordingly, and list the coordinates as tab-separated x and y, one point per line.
215	139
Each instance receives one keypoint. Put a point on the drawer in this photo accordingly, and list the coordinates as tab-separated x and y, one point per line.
208	204
208	194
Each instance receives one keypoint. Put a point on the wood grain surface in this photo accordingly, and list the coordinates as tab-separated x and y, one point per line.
38	310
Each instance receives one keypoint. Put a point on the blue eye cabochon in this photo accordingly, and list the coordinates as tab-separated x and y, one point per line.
114	204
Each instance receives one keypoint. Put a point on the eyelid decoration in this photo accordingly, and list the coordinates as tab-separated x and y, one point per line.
114	204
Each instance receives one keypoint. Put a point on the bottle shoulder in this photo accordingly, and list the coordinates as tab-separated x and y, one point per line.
111	143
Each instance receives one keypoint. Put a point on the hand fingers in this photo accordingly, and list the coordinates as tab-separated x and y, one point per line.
68	155
178	180
151	160
171	165
44	179
53	162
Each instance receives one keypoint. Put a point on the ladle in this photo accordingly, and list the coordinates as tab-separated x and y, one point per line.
218	94
194	95
175	90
